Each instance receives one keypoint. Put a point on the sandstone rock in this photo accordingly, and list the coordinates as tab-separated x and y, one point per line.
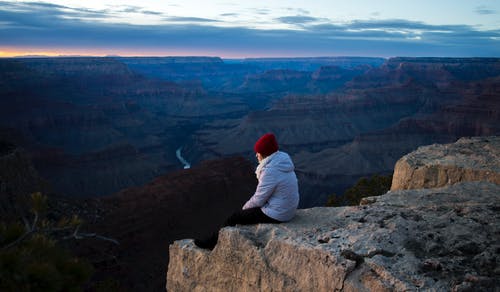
434	239
469	159
438	239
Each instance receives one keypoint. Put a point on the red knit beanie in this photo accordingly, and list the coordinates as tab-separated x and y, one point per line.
266	145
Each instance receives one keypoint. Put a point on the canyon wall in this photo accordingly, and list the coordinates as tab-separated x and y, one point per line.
365	126
75	114
356	114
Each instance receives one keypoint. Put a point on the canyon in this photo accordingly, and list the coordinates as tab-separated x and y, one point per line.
93	126
365	126
100	137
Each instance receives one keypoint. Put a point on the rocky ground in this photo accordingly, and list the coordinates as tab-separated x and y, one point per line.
438	239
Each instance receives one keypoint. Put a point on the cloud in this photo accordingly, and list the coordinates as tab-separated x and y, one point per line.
297	19
51	26
400	29
484	10
188	19
151	12
47	11
134	9
37	4
129	9
299	11
262	11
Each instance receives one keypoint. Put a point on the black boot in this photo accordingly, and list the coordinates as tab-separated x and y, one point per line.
207	243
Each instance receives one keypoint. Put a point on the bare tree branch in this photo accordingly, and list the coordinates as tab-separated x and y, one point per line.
77	235
17	241
26	223
35	221
47	227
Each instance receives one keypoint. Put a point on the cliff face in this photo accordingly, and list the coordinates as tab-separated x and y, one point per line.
428	238
380	98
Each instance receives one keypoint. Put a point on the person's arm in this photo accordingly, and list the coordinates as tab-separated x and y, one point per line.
264	190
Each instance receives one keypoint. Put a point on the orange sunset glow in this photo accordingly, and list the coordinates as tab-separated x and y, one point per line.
9	52
17	52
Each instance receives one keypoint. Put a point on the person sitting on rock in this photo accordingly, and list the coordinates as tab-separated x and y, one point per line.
277	195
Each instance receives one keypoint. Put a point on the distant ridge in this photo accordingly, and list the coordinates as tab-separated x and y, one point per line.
309	58
168	59
58	56
174	59
442	59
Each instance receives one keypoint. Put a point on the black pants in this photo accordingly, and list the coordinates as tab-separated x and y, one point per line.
249	216
243	217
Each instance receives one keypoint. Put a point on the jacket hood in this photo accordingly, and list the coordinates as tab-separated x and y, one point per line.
280	161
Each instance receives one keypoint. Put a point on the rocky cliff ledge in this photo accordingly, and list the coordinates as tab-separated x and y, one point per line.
438	239
469	159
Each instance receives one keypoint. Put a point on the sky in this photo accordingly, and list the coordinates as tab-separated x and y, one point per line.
242	29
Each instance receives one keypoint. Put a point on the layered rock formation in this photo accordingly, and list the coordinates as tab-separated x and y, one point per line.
400	89
364	127
92	126
69	111
74	114
310	63
449	110
437	165
212	72
428	238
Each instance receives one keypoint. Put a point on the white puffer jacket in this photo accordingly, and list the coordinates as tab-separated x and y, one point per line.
277	192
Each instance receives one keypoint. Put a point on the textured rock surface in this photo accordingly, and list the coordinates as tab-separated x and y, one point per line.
469	159
437	239
404	240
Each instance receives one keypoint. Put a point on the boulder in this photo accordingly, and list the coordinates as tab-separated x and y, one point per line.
438	165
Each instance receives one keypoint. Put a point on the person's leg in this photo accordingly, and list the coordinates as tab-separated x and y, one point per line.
249	216
243	217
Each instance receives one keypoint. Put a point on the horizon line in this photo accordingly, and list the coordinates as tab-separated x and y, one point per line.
188	56
230	58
